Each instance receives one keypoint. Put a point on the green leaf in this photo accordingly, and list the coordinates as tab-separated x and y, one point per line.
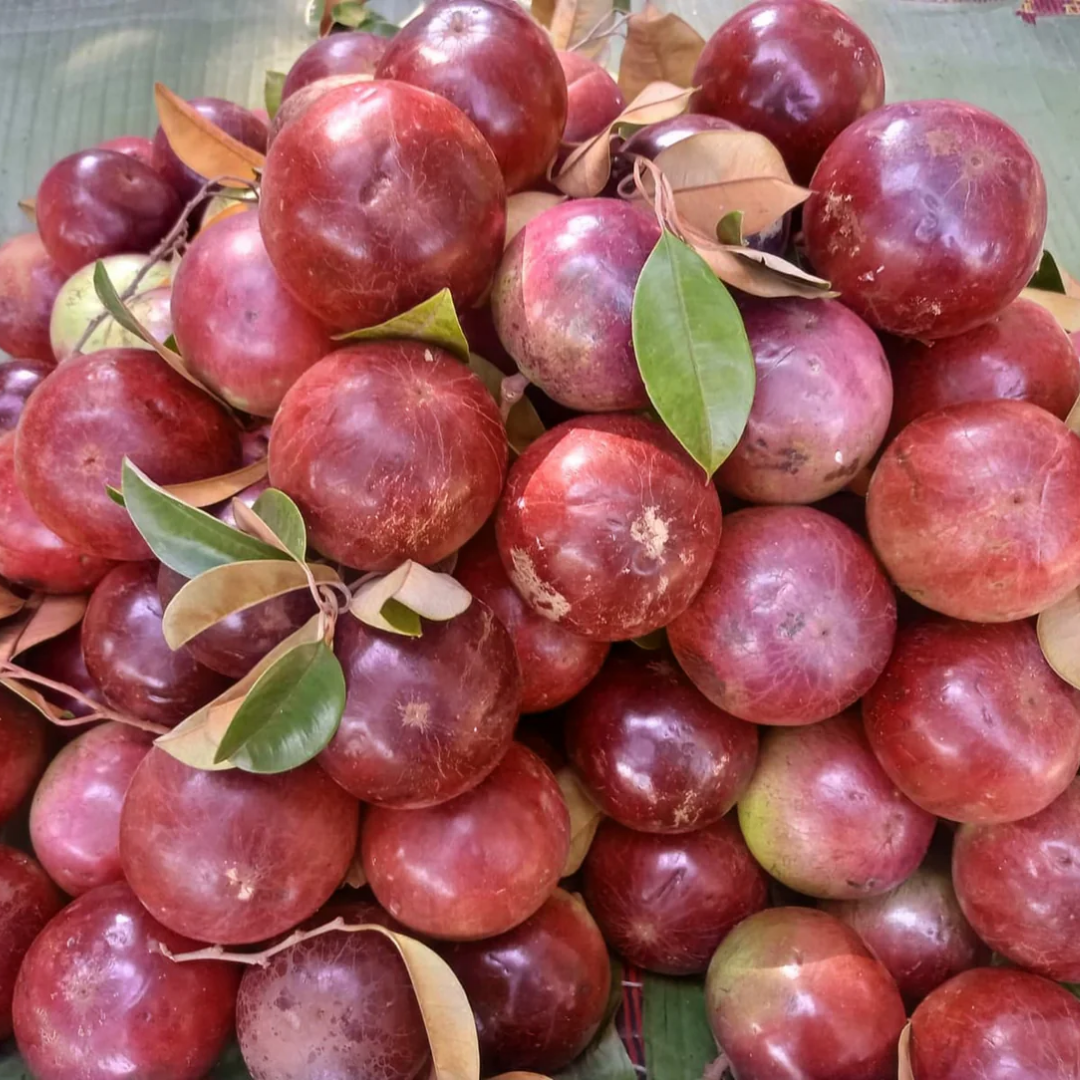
692	352
283	518
110	300
230	1066
170	343
289	715
12	1066
1048	276
433	322
523	425
272	87
188	540
395	601
404	620
678	1042
604	1059
357	16
729	228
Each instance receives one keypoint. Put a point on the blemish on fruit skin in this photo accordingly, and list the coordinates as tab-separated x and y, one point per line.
651	531
542	596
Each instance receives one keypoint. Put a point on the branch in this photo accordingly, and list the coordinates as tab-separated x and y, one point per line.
594	35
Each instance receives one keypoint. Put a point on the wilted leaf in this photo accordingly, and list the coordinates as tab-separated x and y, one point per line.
272	87
434	322
678	1042
587	169
524	206
29	207
187	539
10	604
658	46
1059	637
729	229
542	11
195	740
759	273
605	1059
283	518
33	697
714	173
572	21
289	715
585	818
216	489
433	596
523	424
692	352
54	616
1066	309
223	590
200	144
904	1072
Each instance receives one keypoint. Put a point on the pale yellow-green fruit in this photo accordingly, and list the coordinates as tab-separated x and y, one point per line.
77	304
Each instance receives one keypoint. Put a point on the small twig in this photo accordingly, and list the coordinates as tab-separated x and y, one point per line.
594	34
511	391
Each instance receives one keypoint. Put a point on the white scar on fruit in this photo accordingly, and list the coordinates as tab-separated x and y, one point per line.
542	596
414	714
651	531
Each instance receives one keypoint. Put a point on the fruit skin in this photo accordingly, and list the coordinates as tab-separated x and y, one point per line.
29	282
821	816
562	302
1021	353
666	902
477	865
975	510
655	754
28	900
946	687
299	103
430	213
498	67
91	413
793	992
426	718
356	53
932	229
23	750
96	999
791	590
75	815
1019	886
997	1024
539	992
797	71
393	450
136	146
243	882
127	655
333	1006
97	203
31	554
593	547
233	119
916	930
821	405
555	664
18	380
593	97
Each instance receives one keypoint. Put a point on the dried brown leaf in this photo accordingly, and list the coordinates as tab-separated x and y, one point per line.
10	604
572	21
586	171
658	46
585	818
54	616
29	207
524	206
46	708
217	489
1064	308
904	1072
200	144
542	11
1059	637
422	591
1072	421
758	273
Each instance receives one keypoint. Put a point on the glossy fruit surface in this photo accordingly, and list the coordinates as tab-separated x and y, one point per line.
28	900
997	1024
233	119
97	203
23	750
75	815
562	302
971	722
426	718
821	404
593	97
928	216
356	53
539	991
245	881
128	657
136	146
975	510
92	413
666	902
393	450
477	865
1021	353
791	590
18	380
593	549
821	816
1019	885
793	992
555	664
29	282
916	930
496	65
31	554
430	212
654	752
97	1000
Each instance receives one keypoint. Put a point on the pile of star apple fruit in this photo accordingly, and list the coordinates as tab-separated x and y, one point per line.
368	588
